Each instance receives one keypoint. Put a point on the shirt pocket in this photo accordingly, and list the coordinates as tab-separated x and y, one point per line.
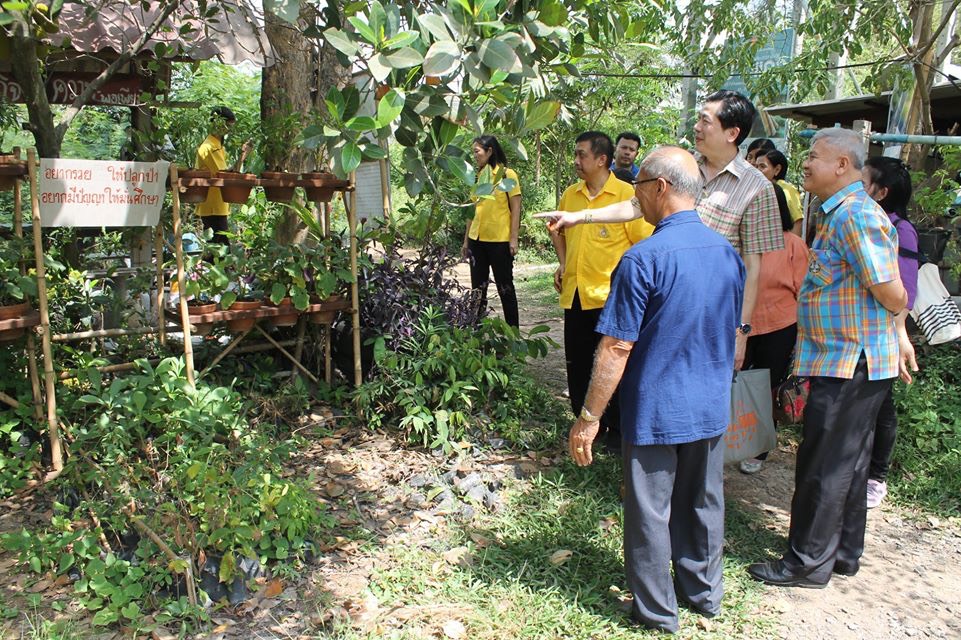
823	268
608	235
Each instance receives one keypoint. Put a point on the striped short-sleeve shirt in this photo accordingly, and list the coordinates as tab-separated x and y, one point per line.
739	203
838	317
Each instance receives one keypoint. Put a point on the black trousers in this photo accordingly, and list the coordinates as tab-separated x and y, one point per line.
885	434
494	256
674	514
771	351
219	226
580	343
829	511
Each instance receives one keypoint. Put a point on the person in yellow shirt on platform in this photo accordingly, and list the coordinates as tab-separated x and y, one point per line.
212	157
587	255
490	242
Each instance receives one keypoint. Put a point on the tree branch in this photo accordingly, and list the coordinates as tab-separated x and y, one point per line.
85	96
946	16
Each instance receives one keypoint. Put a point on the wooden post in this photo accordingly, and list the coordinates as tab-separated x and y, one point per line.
328	347
31	342
354	292
181	280
56	447
299	349
161	301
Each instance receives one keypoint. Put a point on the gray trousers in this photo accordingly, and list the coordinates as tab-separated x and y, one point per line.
674	512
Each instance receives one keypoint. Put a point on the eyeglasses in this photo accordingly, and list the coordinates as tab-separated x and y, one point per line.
637	182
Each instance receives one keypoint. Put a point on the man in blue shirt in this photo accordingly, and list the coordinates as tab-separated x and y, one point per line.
668	331
626	148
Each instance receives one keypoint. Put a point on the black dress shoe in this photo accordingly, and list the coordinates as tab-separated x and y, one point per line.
775	573
845	569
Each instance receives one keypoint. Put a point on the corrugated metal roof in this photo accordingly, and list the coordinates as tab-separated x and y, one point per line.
233	33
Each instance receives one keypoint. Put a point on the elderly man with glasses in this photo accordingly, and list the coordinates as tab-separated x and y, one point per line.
668	338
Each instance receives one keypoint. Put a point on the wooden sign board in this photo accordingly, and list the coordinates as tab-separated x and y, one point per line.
96	193
63	88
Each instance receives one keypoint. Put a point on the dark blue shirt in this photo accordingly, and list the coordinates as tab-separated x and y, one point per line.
677	297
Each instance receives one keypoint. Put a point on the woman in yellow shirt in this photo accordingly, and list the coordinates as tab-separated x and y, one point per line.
490	242
773	164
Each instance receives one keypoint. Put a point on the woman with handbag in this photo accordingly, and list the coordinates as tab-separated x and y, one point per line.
774	321
888	182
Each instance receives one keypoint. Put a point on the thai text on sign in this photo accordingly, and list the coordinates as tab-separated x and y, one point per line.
95	193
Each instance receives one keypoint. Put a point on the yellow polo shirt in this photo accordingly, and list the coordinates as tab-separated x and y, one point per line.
793	197
492	216
593	250
211	156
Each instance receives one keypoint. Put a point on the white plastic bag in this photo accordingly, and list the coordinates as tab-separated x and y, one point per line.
935	313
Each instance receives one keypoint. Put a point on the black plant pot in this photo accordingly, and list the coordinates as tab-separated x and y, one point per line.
343	351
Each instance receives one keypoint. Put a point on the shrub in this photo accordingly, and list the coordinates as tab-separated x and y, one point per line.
185	462
442	382
928	452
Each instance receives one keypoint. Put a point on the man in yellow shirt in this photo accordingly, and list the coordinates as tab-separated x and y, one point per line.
587	255
212	157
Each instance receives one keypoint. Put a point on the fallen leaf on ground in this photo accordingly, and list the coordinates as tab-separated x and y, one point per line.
274	588
705	624
480	540
334	489
607	523
454	629
340	467
560	557
459	556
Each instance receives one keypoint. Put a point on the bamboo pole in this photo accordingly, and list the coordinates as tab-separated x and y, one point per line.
181	280
257	347
108	368
56	446
297	364
328	356
109	333
354	292
161	302
32	371
9	400
299	348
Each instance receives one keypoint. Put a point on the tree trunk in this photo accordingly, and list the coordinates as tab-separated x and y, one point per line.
288	99
25	67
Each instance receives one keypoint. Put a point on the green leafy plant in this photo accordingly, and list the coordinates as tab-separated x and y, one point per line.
15	287
441	381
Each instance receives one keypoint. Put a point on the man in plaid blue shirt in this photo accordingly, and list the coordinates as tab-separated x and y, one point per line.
848	345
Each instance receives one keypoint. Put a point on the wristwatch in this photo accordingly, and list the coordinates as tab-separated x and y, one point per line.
744	328
587	416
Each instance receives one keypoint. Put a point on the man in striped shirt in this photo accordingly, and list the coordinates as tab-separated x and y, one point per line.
736	201
848	345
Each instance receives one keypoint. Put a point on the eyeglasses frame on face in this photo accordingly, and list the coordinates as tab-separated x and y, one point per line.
640	182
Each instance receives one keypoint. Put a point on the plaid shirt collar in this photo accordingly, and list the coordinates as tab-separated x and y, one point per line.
736	167
828	206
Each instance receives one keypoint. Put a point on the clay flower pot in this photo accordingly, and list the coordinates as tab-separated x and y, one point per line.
240	325
320	186
278	186
13	312
236	186
326	316
193	185
381	91
287	319
432	80
197	310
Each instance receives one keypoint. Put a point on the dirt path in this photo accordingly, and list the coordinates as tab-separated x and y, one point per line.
909	585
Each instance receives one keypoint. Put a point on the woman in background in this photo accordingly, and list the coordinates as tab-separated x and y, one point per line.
774	321
756	147
490	242
773	164
887	181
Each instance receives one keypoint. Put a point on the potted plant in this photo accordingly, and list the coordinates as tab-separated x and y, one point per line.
204	284
284	275
329	277
15	287
243	292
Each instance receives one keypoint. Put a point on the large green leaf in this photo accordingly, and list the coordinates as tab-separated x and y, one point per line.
442	58
402	39
404	58
497	54
361	123
378	20
483	6
541	114
372	151
350	157
340	41
364	29
379	67
389	107
335	103
435	25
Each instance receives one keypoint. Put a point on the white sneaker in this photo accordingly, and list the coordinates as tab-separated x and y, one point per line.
876	492
752	466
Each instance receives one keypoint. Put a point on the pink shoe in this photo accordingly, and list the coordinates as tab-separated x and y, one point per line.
876	492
